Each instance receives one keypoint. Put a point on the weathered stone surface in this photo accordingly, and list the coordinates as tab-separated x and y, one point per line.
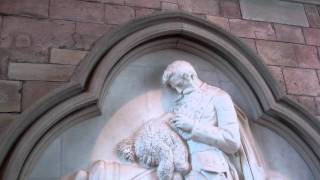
306	56
77	10
45	72
88	33
144	3
277	74
17	31
185	5
115	14
220	21
208	7
301	81
317	101
10	96
5	120
4	59
230	9
276	53
34	90
120	2
141	12
312	36
312	15
250	43
289	33
169	6
33	8
309	103
66	56
274	11
252	29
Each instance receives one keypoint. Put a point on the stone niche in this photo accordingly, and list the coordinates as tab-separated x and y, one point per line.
137	95
117	88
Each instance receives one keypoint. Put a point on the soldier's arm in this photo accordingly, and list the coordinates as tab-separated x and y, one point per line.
225	136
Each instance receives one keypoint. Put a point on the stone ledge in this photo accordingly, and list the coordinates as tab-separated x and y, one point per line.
66	56
44	72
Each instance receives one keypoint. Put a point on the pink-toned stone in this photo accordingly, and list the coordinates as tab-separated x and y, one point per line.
289	33
230	9
276	53
42	33
185	5
312	36
142	12
301	81
277	74
309	103
169	6
252	29
41	72
118	14
66	56
306	56
10	96
77	10
317	101
34	90
144	3
32	8
220	21
23	40
312	15
208	7
120	2
88	33
250	43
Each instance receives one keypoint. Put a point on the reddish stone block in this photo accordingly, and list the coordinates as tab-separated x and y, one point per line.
77	10
277	74
66	56
144	3
312	15
118	14
169	6
220	21
252	29
141	12
10	96
88	33
42	34
306	56
230	9
301	81
309	103
34	90
289	33
208	7
250	43
185	5
33	8
312	36
276	53
120	2
41	72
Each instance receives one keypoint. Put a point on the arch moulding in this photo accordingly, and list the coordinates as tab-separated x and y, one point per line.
81	98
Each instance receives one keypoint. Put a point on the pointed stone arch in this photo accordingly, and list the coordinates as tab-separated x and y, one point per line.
81	99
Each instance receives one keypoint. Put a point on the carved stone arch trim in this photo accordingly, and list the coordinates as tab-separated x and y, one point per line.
82	96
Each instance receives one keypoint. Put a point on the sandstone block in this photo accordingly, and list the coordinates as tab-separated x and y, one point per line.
115	14
230	9
312	15
220	21
144	3
10	96
289	33
66	56
169	6
301	81
77	10
306	56
33	8
252	29
312	36
250	43
277	74
41	72
141	12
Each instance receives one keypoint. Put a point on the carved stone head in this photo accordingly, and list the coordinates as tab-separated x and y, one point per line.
180	76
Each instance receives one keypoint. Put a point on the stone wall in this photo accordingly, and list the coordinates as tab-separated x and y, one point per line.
42	41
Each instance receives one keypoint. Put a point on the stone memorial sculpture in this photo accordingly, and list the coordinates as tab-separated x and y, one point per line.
204	130
156	144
